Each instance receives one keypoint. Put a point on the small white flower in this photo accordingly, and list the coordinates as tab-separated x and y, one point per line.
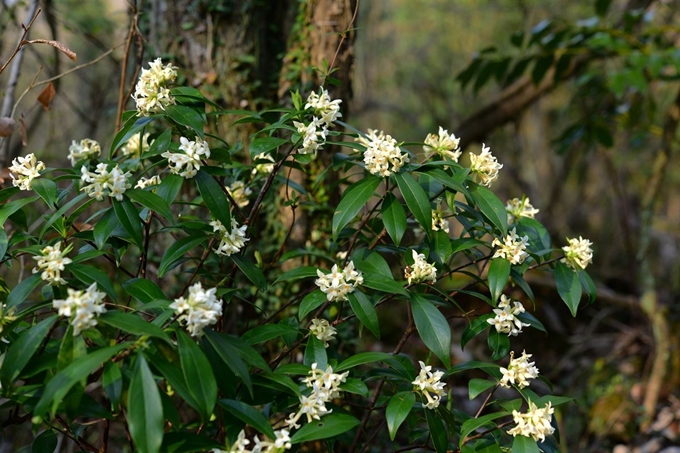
200	310
336	285
143	182
24	170
438	220
230	242
188	163
135	147
151	92
429	385
506	320
313	135
263	168
82	307
52	263
322	330
444	144
535	423
578	254
519	371
103	182
485	166
240	193
86	149
517	208
323	106
325	386
512	248
421	270
382	156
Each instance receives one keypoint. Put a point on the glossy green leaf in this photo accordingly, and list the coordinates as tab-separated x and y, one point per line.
56	215
437	431
145	409
492	208
530	319
523	444
473	424
128	216
248	415
45	442
383	283
177	251
198	375
131	127
365	312
264	145
112	382
588	285
568	286
354	198
186	442
143	290
499	272
311	302
361	359
105	227
21	350
315	352
398	408
261	334
150	201
160	145
394	218
90	274
458	245
230	356
214	198
251	271
3	243
13	206
477	326
329	426
186	116
499	343
46	189
372	263
356	386
433	327
132	323
477	386
169	188
20	292
416	199
296	274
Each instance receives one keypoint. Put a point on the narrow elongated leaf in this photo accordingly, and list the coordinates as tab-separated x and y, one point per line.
458	245
261	334
477	326
47	190
198	374
249	415
45	442
353	199
20	351
185	442
311	302
473	424
214	198
251	271
230	356
105	227
416	200
145	409
160	145
568	286
186	116
13	206
499	343
365	311
398	408
3	243
20	292
90	274
177	251
382	283
128	216
499	271
373	263
296	274
57	214
356	386
264	145
143	290
315	352
477	386
433	327
169	188
437	431
588	285
151	201
491	207
112	381
394	218
131	323
361	359
132	126
523	444
329	426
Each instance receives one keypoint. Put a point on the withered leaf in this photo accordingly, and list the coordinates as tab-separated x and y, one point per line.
7	126
46	96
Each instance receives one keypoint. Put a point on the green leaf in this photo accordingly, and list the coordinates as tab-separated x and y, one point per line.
13	206
315	352
474	423
185	442
177	251
169	188
131	323
198	375
230	356
112	381
160	145
588	285
477	326
568	286
398	408
143	290
21	350
214	198
145	410
416	200
356	386
90	274
311	302
296	274
499	343
523	444
3	243
131	127
361	359
383	283
264	145
261	334
186	116
473	365
433	327
365	311
499	272
20	292
437	431
492	208
477	386
53	218
394	218
57	388
251	271
372	263
601	7
128	216
46	442
458	245
249	415
530	319
329	426
105	227
151	201
353	199
47	190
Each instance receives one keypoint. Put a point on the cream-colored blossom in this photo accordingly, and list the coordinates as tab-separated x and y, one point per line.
517	208
103	182
325	386
382	156
151	92
263	168
230	241
535	423
429	385
512	247
188	163
485	166
421	270
240	193
322	330
328	110
506	320
443	144
143	182
313	135
82	307
578	254
337	285
439	221
199	310
24	170
85	149
51	263
519	371
135	147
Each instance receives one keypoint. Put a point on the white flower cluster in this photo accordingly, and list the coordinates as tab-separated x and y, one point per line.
512	248
325	386
263	168
52	262
151	93
506	320
322	330
578	254
443	144
188	163
421	270
336	285
86	149
230	242
82	307
201	309
534	423
103	182
517	208
429	385
143	182
281	443
24	170
382	156
485	165
311	133
438	220
519	371
240	193
322	105
135	147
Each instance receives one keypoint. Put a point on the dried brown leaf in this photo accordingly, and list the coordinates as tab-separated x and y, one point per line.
68	52
7	126
46	96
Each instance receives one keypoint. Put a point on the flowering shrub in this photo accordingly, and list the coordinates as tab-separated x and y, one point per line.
169	311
